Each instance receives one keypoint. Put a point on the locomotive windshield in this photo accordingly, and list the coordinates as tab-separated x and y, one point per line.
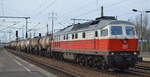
116	30
130	30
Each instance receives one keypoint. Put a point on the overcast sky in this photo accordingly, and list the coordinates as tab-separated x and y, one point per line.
40	10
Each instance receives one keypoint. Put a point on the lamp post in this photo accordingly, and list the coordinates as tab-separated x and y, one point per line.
141	28
141	16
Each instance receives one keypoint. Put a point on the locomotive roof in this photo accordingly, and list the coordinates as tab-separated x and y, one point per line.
91	25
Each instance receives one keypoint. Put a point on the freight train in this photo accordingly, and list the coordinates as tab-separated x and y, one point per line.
105	43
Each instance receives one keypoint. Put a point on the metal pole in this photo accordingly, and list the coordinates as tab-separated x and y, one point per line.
34	34
22	34
52	24
9	36
141	31
26	28
47	29
74	21
102	11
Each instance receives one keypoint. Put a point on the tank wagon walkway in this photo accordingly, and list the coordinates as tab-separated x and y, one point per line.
12	66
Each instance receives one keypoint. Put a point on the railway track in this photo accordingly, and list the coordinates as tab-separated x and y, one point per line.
146	61
96	73
143	74
46	65
140	70
142	67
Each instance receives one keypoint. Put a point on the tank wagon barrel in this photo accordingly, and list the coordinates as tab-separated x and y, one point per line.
27	45
44	45
33	46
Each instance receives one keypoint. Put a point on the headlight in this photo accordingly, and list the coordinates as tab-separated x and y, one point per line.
135	53
112	53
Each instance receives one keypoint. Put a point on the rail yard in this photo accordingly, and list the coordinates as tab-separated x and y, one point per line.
90	52
105	38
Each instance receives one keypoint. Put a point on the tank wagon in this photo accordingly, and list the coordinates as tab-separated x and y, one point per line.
44	45
22	45
27	46
12	45
33	45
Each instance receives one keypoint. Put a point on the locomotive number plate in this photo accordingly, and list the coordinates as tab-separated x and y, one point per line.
125	46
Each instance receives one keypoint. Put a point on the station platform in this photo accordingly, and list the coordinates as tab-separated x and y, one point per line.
145	56
13	66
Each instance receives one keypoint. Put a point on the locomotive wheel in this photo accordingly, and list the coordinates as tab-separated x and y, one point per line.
47	52
95	61
104	65
99	63
44	53
90	61
39	50
86	60
30	50
36	51
80	60
77	59
61	56
83	60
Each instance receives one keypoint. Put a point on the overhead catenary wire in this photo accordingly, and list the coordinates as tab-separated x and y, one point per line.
9	26
12	10
41	11
94	10
74	10
2	7
117	3
40	6
77	9
36	25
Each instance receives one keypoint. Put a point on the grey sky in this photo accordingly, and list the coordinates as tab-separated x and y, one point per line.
66	9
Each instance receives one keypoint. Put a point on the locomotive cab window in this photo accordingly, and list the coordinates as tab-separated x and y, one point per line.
116	30
72	36
64	37
76	35
67	36
130	30
83	35
104	32
96	33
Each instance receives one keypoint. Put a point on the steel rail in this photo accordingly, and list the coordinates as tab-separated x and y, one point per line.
144	74
142	67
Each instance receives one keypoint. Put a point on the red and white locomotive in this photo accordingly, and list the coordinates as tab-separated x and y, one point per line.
102	43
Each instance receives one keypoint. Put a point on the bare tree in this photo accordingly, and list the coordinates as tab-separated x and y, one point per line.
142	26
